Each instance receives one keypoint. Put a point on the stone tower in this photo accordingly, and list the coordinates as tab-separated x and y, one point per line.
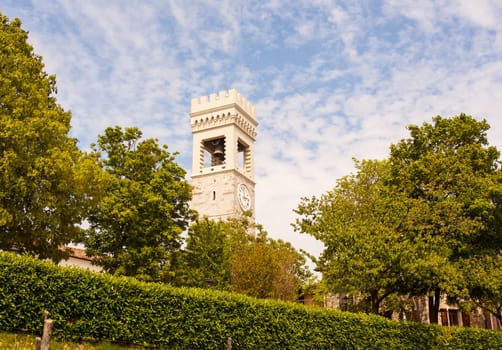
224	132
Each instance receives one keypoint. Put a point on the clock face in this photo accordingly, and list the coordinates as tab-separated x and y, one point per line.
244	197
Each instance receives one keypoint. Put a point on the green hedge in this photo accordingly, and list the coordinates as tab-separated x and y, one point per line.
97	306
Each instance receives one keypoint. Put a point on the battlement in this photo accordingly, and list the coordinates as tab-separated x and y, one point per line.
224	98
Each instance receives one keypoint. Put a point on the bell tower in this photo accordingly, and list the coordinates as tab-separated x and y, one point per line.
224	132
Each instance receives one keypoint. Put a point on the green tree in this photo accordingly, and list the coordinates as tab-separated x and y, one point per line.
237	255
360	223
205	260
44	178
268	268
137	225
451	174
481	285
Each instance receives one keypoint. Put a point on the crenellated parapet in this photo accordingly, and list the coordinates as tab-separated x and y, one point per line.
223	99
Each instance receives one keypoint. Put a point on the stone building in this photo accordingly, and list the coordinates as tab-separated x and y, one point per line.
418	311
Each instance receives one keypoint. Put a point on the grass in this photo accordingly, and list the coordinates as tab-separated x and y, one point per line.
21	341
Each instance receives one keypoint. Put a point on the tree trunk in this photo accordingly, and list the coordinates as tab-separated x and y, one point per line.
375	303
434	306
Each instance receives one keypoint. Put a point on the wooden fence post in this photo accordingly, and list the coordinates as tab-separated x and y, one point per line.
45	342
38	343
46	336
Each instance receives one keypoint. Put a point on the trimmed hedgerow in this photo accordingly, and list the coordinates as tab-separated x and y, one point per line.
89	305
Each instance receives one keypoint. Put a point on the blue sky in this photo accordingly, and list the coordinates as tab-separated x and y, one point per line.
331	80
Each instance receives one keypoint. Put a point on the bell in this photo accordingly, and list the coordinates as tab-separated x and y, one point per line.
218	152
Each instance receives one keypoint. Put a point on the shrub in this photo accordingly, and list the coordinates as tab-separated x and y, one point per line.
89	305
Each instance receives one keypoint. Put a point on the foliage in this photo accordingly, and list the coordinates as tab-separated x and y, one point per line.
481	285
452	175
205	261
360	223
136	226
236	255
44	179
449	166
84	304
268	268
401	226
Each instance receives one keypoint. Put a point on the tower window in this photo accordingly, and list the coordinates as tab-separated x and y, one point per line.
214	152
214	195
243	157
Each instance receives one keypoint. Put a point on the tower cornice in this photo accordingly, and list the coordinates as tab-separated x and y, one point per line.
204	121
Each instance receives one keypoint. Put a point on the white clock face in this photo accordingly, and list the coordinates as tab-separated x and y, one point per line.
244	197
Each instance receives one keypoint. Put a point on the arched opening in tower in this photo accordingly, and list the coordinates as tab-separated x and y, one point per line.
214	152
243	156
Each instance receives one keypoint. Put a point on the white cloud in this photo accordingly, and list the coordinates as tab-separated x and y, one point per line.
485	13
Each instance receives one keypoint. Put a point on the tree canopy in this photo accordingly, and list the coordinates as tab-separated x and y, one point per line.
205	260
137	225
361	225
481	284
449	166
402	226
225	255
448	169
268	268
45	184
